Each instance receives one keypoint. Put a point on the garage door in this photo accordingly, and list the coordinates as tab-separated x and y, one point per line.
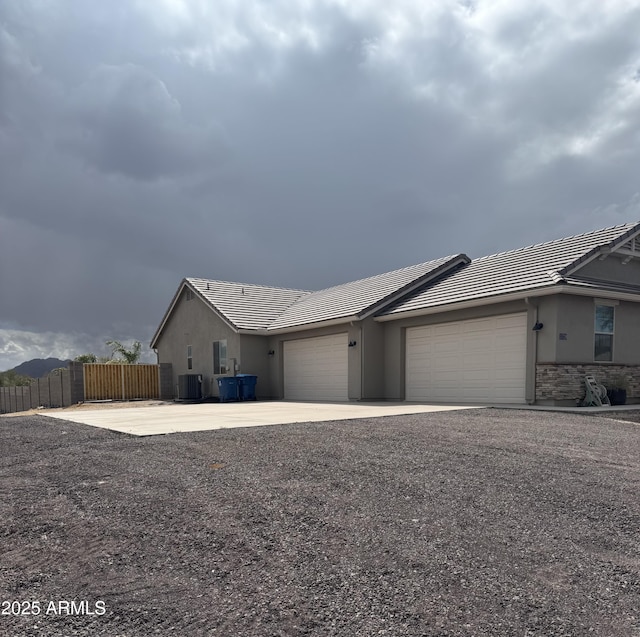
480	360
316	368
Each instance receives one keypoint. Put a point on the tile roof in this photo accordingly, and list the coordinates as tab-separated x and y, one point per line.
358	297
246	306
431	284
535	266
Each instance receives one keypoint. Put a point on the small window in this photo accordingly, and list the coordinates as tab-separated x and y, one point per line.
603	342
220	357
189	357
189	294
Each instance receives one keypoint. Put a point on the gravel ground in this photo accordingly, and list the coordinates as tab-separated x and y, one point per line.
484	522
632	415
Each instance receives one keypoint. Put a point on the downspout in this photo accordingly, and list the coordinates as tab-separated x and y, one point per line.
534	305
359	345
361	337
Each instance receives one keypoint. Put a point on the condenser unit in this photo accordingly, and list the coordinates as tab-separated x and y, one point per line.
190	387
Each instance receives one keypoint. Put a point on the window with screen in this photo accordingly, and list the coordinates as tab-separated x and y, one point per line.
603	333
220	365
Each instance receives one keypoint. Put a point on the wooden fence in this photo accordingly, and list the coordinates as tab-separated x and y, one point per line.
121	382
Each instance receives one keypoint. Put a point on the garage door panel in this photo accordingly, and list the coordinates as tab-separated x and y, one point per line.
478	360
316	368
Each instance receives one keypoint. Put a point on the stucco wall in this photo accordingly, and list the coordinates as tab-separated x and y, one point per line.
193	323
372	360
568	333
612	269
254	359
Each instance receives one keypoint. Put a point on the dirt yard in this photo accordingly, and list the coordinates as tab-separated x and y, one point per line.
98	404
484	522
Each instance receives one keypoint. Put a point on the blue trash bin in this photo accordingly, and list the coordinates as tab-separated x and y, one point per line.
228	388
247	386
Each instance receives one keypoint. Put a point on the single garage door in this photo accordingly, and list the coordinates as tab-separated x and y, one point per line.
316	368
479	360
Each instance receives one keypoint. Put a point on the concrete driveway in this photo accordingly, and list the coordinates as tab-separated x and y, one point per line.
181	417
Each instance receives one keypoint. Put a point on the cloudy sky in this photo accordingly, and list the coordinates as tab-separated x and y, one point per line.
299	144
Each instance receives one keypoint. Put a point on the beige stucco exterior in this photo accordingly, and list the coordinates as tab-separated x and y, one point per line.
568	333
376	364
193	323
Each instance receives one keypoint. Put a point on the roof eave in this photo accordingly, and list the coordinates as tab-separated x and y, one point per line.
315	325
167	314
599	251
564	288
258	331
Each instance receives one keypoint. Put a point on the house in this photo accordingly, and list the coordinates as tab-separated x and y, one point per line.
520	326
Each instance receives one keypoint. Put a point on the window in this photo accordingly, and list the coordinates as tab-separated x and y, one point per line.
189	358
603	341
220	357
189	294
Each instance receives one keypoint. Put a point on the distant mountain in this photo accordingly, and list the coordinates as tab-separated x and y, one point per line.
39	367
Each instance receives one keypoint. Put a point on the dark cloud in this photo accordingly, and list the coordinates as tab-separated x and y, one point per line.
298	145
123	120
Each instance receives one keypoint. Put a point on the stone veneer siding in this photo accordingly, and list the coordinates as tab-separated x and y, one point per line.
561	382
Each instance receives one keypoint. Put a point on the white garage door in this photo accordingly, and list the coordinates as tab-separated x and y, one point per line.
479	360
316	368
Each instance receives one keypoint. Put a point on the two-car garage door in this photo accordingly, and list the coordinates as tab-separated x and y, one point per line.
478	360
316	368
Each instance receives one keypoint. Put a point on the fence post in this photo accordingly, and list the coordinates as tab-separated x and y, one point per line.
76	382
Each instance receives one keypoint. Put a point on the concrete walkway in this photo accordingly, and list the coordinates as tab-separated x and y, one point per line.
176	417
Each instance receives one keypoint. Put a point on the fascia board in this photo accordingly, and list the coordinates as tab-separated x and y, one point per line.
312	326
167	314
600	293
598	253
514	296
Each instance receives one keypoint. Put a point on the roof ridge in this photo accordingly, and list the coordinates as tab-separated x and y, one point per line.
627	226
397	270
253	285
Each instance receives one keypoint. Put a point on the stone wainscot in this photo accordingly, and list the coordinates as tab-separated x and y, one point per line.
563	384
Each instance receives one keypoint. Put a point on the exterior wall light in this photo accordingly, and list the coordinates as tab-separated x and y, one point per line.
538	326
352	343
271	353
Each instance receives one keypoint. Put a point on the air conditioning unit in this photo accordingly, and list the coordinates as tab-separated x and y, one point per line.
190	387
